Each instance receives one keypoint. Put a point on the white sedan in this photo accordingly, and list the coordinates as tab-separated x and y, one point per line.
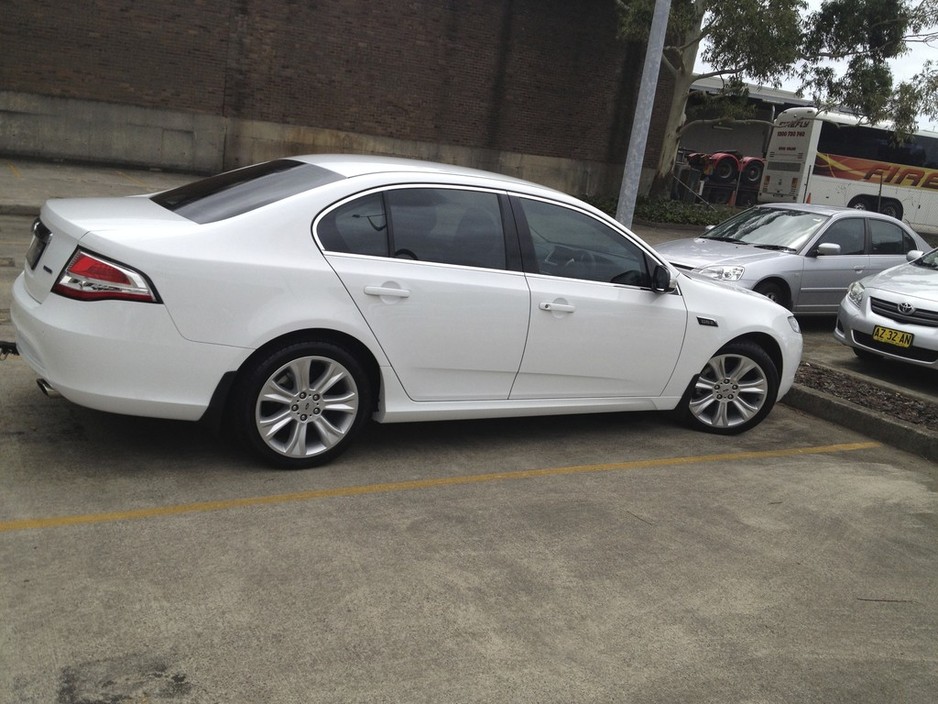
298	298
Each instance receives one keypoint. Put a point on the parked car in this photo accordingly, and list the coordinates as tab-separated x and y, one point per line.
802	256
894	314
297	298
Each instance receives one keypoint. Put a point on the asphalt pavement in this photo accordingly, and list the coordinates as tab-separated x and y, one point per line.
25	185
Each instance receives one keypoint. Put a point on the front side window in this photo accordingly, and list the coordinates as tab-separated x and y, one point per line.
574	245
887	238
849	233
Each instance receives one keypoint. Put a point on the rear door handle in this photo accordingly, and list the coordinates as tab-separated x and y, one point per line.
557	307
384	291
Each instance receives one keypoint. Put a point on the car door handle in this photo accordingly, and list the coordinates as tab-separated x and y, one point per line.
384	291
557	307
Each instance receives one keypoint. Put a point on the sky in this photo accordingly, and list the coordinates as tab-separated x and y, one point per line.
903	68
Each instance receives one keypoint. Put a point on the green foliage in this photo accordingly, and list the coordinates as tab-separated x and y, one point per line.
668	211
767	41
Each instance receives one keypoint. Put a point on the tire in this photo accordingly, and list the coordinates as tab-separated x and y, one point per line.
774	292
892	208
734	391
301	406
724	170
752	173
866	356
861	203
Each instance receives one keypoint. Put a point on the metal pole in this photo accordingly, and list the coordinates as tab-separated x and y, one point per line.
642	118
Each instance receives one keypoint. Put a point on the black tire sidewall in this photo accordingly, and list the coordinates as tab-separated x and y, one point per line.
259	371
755	353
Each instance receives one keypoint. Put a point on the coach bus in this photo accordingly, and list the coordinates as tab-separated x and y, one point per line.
832	159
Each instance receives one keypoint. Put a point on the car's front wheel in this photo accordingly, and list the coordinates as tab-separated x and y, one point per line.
301	406
734	391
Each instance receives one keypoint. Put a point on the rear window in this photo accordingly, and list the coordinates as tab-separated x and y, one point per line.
240	191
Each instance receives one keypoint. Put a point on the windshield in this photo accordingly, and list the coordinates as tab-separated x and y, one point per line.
770	228
930	260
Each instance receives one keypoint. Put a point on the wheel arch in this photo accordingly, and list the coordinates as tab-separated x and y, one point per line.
781	282
767	343
216	413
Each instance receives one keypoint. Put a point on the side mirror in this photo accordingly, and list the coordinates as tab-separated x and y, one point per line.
662	281
913	255
828	249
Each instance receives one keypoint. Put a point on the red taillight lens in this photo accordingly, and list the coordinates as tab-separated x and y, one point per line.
91	278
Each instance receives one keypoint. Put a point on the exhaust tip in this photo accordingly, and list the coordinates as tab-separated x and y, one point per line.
47	389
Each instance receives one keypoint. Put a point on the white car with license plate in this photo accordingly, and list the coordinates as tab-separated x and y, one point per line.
298	298
894	314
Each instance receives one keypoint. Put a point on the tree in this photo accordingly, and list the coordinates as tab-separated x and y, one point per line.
767	41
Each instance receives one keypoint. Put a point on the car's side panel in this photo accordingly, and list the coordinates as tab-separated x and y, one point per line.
450	332
592	339
825	280
119	356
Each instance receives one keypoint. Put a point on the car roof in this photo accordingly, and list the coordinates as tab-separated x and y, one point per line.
352	165
810	208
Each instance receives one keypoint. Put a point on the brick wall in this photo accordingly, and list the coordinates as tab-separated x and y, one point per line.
542	77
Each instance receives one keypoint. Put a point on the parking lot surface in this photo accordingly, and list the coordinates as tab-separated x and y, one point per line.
596	558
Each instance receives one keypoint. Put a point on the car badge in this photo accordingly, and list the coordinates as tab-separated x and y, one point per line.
906	308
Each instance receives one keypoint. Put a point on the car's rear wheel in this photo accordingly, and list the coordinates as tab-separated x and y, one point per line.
301	406
734	391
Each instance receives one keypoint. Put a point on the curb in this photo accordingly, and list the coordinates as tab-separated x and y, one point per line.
28	210
878	426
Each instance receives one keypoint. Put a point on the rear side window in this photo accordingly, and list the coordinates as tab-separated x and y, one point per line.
359	227
240	191
887	238
448	226
445	225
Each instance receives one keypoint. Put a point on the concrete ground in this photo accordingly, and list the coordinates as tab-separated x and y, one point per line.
610	558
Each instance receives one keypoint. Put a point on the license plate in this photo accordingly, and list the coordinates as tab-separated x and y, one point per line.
892	337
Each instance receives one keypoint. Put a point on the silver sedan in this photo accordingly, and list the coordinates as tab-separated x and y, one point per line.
894	314
801	256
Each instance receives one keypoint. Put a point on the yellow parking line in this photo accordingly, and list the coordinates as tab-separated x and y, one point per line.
345	491
16	171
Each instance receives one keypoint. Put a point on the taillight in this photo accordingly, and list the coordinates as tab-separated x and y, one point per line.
91	278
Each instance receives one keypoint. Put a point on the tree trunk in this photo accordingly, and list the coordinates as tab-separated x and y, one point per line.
680	64
661	183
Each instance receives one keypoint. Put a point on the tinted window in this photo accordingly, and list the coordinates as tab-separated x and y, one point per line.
849	233
359	227
887	238
447	225
574	245
237	192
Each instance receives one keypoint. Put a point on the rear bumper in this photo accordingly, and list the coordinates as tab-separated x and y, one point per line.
118	356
